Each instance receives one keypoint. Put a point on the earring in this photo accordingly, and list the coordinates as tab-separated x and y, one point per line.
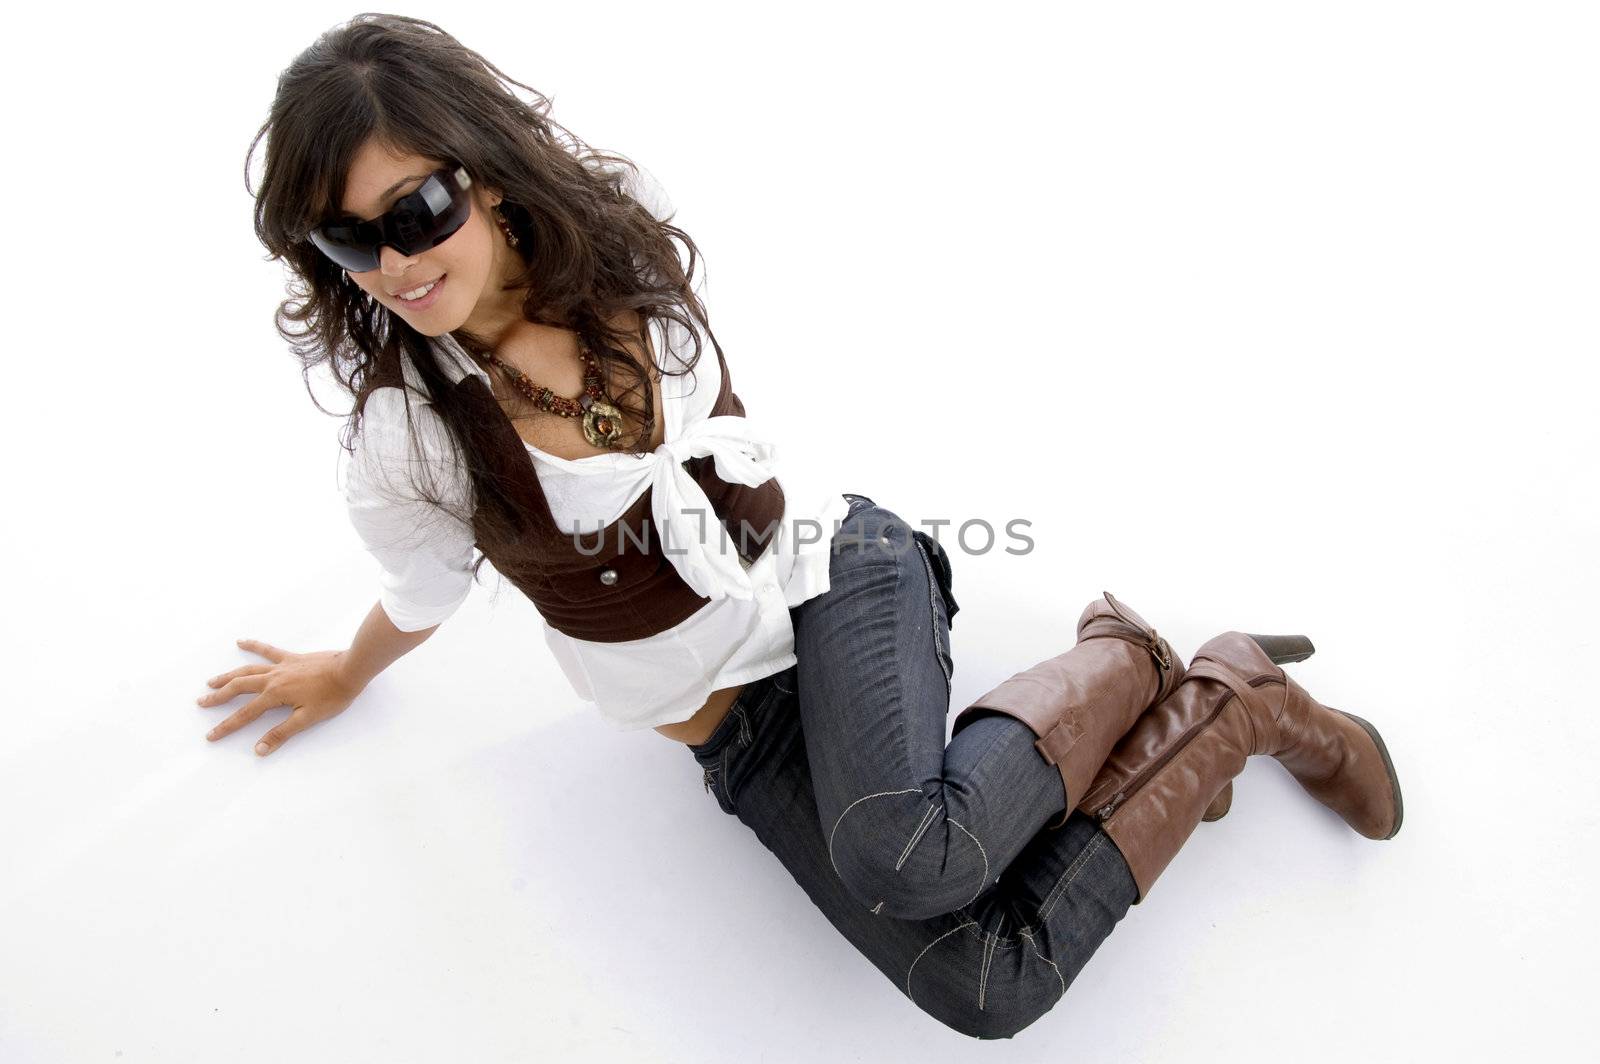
505	226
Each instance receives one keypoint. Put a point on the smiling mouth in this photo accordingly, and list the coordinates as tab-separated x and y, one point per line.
421	291
426	293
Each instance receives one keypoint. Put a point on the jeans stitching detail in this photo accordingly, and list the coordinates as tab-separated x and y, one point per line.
983	969
937	607
722	776
858	502
916	836
1027	933
852	805
925	949
1067	877
710	777
984	881
922	828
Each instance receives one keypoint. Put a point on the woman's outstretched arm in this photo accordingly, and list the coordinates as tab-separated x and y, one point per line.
315	686
377	645
424	556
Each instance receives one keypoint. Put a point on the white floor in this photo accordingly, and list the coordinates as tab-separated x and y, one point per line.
1290	328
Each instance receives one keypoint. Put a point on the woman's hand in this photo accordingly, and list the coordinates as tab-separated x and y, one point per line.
315	686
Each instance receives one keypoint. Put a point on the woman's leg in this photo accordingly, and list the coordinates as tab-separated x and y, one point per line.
930	860
988	969
915	828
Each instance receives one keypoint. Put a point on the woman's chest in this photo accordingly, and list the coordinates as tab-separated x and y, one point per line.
564	436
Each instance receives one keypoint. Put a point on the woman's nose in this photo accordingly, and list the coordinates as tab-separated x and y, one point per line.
392	263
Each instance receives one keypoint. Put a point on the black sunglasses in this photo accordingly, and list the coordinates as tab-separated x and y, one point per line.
421	220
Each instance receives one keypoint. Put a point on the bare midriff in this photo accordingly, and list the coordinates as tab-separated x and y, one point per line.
698	728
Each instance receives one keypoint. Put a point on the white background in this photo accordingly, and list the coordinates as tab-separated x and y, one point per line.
1278	317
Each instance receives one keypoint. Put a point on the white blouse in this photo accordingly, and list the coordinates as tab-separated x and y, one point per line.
743	634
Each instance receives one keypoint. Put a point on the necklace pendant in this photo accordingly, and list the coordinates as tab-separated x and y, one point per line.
602	423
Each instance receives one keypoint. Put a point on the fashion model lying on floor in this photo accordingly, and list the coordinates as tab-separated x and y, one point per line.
509	311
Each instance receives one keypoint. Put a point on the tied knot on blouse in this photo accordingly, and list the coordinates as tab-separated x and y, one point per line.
682	510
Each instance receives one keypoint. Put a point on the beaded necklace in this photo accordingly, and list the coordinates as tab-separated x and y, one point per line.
602	420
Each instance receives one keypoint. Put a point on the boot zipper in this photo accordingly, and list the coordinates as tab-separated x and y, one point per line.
1105	811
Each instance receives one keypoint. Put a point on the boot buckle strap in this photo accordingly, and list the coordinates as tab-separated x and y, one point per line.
1057	743
1152	641
1158	650
1128	617
1205	667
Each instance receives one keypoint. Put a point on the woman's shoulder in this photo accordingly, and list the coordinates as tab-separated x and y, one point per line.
397	435
389	408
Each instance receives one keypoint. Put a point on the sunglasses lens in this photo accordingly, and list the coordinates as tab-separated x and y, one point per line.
423	220
348	246
429	216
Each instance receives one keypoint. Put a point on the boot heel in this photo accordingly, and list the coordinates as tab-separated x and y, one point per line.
1283	649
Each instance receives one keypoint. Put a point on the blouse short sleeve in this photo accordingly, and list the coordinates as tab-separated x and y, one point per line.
424	553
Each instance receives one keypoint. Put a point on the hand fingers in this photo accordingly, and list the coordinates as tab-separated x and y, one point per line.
244	715
294	724
242	670
266	650
254	681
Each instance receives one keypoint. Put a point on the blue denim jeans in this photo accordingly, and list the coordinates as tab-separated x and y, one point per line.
933	861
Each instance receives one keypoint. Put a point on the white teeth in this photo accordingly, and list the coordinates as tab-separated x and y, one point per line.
418	293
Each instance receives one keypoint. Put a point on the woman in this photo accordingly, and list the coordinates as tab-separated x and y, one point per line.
493	294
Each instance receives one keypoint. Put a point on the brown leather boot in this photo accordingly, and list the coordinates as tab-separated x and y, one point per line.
1080	702
1132	756
1235	701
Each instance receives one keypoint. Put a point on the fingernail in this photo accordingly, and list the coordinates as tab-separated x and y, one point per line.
261	748
201	700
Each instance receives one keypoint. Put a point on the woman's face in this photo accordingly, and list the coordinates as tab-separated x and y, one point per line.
474	262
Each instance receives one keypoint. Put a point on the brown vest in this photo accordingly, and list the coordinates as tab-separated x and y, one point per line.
625	587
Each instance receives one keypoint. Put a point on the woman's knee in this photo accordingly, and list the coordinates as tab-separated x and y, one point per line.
981	987
903	857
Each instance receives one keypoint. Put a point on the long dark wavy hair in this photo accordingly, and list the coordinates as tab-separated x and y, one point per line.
592	252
